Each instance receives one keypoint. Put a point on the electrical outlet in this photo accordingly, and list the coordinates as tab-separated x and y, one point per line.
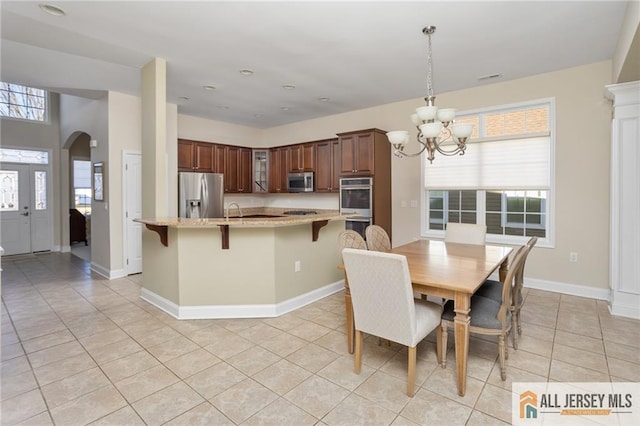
573	257
296	266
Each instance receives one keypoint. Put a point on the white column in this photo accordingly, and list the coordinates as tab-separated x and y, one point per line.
624	258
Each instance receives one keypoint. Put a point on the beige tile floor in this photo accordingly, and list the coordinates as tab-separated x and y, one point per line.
78	349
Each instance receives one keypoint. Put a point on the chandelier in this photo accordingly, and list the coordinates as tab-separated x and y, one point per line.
437	131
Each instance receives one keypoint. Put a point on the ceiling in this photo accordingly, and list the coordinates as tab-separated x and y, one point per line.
340	56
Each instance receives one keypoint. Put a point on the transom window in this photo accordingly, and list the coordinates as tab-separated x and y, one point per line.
504	180
22	102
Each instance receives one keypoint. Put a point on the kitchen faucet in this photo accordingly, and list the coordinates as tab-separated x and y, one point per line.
229	207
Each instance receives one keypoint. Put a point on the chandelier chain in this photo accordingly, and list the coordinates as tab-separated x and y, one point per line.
429	68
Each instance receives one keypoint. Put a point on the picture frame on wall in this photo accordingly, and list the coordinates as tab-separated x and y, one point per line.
98	181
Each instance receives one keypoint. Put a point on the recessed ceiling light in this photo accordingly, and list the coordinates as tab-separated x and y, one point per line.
52	10
285	108
323	99
288	87
246	72
257	115
225	107
209	87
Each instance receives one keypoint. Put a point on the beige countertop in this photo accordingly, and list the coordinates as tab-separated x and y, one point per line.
277	217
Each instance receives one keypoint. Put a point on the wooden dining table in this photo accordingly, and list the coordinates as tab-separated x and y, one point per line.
451	271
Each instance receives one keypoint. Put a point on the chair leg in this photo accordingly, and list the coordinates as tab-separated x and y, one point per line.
357	359
411	374
513	330
518	320
501	355
441	347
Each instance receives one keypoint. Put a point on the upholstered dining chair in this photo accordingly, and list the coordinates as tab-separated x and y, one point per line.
465	233
488	316
377	238
383	304
349	239
493	290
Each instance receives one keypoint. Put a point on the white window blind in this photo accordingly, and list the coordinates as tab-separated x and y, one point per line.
81	174
515	163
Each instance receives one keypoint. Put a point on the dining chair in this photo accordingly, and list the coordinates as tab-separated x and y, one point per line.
377	238
383	304
349	239
465	233
493	290
488	316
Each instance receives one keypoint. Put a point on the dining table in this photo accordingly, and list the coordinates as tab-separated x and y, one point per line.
452	271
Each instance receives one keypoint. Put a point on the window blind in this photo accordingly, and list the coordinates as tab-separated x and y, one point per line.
81	174
519	163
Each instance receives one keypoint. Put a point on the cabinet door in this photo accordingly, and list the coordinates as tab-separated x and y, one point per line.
219	158
296	159
185	155
324	178
335	166
245	182
364	153
356	152
231	169
204	157
308	153
278	169
347	154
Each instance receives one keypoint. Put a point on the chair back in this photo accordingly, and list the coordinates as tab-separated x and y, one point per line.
465	233
509	281
519	278
351	239
377	238
381	294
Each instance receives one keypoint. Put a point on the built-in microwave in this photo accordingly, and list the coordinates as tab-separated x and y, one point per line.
300	182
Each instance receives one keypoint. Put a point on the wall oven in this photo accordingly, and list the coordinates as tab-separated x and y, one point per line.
356	197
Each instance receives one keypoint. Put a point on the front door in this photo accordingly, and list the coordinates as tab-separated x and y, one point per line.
133	210
25	208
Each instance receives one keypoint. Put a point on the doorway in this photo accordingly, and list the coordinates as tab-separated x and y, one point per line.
132	189
25	206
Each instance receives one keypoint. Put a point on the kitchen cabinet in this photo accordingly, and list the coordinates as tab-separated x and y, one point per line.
368	153
195	156
327	178
237	172
278	169
260	170
357	153
302	158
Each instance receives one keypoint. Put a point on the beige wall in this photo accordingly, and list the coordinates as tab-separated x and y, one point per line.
626	58
583	123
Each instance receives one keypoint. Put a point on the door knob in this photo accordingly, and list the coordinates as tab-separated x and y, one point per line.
25	214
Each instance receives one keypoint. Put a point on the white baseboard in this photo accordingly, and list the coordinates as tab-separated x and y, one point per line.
625	305
565	288
108	273
239	311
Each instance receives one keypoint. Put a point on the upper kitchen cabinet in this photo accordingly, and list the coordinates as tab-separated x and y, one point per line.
260	170
195	156
237	174
302	158
362	150
278	169
328	169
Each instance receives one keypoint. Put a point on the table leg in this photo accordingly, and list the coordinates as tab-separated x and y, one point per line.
462	304
349	314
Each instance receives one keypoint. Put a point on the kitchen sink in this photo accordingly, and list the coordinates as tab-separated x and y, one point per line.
256	216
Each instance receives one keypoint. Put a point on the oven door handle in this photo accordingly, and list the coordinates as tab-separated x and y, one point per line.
364	219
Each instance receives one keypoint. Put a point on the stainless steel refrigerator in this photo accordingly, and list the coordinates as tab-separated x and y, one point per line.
200	195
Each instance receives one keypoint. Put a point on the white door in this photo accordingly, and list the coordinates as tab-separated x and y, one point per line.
133	210
25	207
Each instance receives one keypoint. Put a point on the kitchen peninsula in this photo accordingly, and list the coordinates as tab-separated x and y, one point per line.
263	264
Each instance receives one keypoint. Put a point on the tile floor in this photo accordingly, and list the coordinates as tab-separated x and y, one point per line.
78	349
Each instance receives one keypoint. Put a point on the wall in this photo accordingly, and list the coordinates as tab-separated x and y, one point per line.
91	116
27	134
626	58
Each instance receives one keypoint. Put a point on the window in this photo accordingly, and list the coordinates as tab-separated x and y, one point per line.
22	102
82	186
504	180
